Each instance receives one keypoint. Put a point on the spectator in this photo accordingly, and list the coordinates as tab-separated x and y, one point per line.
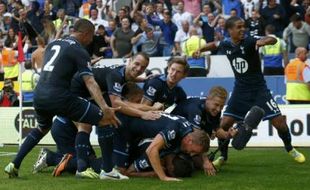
300	32
112	26
99	6
121	40
8	97
121	14
255	24
6	22
49	32
249	6
38	54
168	29
234	5
143	25
101	44
274	14
9	61
149	42
220	31
96	20
297	75
159	10
207	22
35	16
307	15
192	6
71	7
84	11
274	55
181	36
182	15
61	18
11	38
197	65
29	81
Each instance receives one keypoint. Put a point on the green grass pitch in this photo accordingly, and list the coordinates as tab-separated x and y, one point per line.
250	169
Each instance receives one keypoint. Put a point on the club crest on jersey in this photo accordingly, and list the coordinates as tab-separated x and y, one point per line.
171	134
151	91
117	87
143	164
197	119
240	65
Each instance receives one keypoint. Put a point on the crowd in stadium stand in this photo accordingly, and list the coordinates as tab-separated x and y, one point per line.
157	27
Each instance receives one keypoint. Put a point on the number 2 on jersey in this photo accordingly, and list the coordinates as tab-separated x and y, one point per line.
49	66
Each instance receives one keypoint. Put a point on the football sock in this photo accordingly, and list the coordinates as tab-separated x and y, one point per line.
286	138
32	139
105	139
53	158
96	164
82	148
224	148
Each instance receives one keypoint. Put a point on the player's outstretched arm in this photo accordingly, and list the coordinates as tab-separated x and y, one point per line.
94	90
153	154
132	111
207	47
268	40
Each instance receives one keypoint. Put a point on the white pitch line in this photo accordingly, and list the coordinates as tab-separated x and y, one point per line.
7	153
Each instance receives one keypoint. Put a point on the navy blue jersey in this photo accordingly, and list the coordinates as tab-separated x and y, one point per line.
157	90
60	64
172	128
194	110
111	80
245	62
141	162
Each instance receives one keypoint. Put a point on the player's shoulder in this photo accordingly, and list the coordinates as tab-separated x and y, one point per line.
156	81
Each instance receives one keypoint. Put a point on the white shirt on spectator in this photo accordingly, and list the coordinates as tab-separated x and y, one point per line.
97	22
179	17
181	36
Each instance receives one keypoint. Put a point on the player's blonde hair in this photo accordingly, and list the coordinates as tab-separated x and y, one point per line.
217	91
200	137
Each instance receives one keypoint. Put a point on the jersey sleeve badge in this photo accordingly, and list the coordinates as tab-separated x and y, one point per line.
117	87
151	91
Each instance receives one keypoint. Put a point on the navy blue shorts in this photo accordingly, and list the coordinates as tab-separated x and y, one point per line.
76	109
64	132
241	102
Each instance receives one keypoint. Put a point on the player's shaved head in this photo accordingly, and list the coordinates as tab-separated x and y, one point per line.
83	25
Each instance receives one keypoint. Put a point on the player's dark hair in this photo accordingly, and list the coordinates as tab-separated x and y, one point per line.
83	25
132	91
143	54
230	23
180	61
183	166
